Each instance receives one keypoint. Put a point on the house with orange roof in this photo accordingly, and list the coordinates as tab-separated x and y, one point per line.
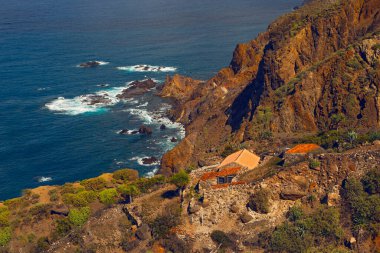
229	168
300	152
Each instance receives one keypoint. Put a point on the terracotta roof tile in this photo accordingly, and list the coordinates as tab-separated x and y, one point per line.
243	158
222	173
303	149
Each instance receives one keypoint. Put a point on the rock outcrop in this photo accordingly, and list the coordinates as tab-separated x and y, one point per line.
314	69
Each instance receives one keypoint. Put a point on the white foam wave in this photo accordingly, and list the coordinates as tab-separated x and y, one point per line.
151	173
103	62
143	105
147	68
90	103
44	179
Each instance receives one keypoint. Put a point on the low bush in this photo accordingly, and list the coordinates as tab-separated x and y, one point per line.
228	150
82	198
259	201
371	181
295	213
62	227
313	164
222	239
108	196
146	184
95	184
163	223
305	232
4	216
126	175
40	210
79	216
54	196
5	235
364	206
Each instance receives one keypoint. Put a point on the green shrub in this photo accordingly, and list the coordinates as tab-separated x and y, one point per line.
259	201
126	175
5	235
95	184
42	244
313	164
289	238
79	216
180	179
222	239
4	216
364	207
371	181
146	184
376	47
79	199
62	227
295	213
108	196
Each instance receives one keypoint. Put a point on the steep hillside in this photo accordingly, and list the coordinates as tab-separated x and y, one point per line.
314	69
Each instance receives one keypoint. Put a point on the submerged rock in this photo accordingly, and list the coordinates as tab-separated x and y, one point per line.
89	64
145	130
162	127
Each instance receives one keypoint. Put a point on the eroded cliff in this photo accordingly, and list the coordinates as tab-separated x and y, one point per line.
314	69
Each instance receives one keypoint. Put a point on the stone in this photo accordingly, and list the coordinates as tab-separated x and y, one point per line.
292	194
162	127
145	130
246	217
143	232
234	209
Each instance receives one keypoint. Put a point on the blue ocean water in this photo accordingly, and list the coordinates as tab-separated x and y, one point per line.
43	41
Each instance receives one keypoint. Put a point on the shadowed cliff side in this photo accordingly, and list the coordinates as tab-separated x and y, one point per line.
316	68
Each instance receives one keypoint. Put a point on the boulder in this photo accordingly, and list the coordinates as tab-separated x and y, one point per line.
143	233
173	139
145	130
137	88
245	217
292	194
149	160
162	127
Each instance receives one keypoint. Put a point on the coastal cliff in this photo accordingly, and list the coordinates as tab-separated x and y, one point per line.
315	69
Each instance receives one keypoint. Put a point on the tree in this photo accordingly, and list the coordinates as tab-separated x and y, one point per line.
129	190
126	175
180	179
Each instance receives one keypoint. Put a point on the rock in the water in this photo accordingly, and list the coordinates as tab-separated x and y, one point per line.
149	160
162	127
89	64
173	139
246	217
137	88
143	233
145	130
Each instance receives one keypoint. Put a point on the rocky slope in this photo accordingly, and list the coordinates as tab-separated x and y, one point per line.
316	68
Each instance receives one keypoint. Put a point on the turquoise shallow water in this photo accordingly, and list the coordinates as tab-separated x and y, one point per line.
43	41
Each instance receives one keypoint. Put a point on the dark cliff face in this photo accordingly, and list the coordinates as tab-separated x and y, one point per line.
316	68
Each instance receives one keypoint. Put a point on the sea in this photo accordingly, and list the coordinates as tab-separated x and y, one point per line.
49	134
